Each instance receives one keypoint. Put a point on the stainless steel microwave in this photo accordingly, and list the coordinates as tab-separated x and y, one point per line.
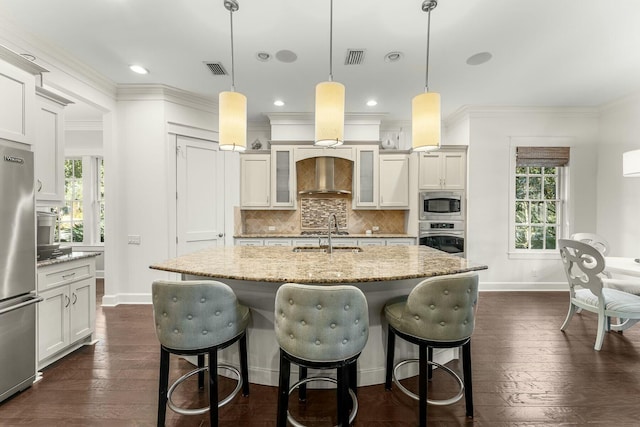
441	205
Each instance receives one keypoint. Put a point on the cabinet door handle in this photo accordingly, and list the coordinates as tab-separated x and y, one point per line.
39	185
75	298
68	300
65	276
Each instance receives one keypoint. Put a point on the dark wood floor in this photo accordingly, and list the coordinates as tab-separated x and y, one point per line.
525	371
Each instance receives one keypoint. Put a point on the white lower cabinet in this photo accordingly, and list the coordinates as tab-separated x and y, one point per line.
66	316
371	242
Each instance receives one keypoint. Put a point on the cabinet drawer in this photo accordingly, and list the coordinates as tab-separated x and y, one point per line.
57	275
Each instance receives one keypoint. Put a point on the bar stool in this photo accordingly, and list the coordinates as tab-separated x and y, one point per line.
438	313
320	327
198	318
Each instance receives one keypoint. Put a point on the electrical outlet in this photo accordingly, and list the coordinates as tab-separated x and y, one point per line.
134	239
534	272
375	228
272	228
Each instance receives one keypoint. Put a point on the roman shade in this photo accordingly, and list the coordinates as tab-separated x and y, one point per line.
542	156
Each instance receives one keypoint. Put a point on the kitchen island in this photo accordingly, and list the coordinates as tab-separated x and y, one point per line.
255	273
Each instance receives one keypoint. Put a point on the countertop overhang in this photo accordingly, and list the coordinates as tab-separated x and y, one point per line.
323	235
280	264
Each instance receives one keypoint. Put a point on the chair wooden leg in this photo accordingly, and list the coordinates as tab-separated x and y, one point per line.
602	326
422	386
283	391
430	366
244	366
467	378
572	309
302	390
201	373
391	342
343	396
163	386
213	387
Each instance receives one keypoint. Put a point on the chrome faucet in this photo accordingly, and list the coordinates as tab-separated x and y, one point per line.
335	222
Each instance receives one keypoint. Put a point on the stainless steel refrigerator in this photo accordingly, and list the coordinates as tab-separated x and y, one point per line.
17	271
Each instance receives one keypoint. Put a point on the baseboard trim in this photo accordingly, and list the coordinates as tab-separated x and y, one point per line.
116	299
523	286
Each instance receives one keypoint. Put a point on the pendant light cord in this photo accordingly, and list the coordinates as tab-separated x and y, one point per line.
428	6
233	78
331	42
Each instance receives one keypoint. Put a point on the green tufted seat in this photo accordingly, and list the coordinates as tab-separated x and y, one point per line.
198	318
320	327
439	312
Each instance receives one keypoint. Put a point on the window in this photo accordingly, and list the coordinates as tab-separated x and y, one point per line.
537	199
81	219
537	205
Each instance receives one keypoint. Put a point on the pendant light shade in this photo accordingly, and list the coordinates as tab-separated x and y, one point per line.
631	164
329	103
425	108
232	121
425	121
232	106
329	114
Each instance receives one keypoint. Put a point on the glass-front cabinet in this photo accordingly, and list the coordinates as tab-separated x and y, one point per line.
283	178
366	178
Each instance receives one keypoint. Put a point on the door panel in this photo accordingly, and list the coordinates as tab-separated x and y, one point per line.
200	198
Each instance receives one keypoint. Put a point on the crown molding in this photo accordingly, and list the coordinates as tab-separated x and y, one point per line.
158	92
309	118
479	111
83	125
623	102
14	58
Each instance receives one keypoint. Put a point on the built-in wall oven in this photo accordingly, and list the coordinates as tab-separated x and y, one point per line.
441	205
447	236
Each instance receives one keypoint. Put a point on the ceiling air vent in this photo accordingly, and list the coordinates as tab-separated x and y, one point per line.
354	57
216	68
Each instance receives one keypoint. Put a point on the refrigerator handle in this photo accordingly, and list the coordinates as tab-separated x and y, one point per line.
22	304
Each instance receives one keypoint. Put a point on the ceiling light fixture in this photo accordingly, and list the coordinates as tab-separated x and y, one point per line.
372	103
263	56
232	114
393	56
139	69
425	108
278	103
631	164
330	104
479	58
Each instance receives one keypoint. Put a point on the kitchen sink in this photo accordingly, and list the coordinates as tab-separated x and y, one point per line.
325	249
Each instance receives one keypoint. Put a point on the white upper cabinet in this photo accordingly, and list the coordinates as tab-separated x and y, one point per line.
442	170
365	178
17	100
48	147
394	181
255	181
283	178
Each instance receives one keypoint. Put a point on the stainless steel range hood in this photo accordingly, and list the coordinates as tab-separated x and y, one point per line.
324	183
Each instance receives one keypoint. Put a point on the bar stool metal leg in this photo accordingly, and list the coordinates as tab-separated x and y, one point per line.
213	387
391	343
466	372
164	385
283	391
422	388
302	390
244	366
201	373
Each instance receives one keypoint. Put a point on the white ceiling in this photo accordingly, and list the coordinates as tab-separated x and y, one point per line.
545	52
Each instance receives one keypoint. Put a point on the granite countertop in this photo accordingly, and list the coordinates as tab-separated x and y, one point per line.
66	258
311	236
281	264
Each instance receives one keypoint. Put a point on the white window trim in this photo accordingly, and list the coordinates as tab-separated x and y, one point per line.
537	141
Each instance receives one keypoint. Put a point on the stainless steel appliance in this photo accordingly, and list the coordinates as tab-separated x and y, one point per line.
441	205
47	248
447	236
17	271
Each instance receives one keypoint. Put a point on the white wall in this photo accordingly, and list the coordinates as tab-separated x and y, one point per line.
488	189
619	197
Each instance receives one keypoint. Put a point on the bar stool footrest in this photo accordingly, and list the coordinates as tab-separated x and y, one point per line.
434	402
354	399
200	411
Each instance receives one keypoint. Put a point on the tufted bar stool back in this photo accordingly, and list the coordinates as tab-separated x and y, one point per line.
197	318
439	312
320	327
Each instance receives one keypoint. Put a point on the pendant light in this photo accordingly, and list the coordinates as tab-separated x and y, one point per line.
330	104
425	108
232	106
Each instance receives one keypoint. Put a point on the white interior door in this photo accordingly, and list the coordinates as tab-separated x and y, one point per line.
200	195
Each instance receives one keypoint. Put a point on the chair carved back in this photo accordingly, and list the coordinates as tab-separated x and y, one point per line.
582	264
594	240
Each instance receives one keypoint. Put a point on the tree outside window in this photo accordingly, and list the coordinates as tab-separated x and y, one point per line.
71	225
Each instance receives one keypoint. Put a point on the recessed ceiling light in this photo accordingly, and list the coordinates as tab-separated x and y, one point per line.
28	56
393	56
372	103
479	58
278	103
263	56
138	69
